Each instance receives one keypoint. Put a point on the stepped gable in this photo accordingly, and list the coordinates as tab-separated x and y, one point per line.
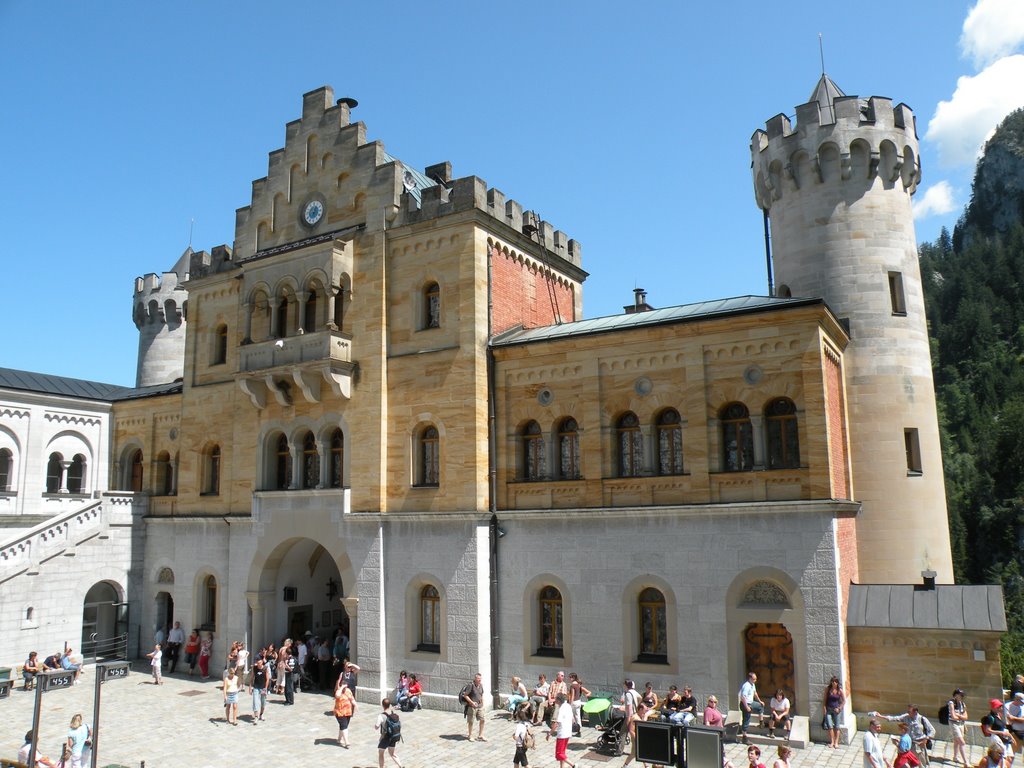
328	159
861	137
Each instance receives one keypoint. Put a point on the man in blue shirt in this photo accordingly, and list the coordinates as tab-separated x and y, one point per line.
750	703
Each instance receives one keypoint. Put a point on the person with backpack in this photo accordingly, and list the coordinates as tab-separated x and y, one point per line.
522	737
390	728
956	718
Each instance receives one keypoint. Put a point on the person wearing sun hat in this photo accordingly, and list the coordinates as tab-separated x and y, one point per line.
994	727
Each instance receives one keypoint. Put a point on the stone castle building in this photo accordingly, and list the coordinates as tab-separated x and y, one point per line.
382	408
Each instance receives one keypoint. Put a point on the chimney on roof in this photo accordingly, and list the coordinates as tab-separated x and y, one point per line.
639	302
927	582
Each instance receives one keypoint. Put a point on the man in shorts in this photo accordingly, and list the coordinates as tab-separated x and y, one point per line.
473	700
387	741
561	729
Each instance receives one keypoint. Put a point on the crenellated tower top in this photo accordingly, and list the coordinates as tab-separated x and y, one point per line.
836	138
158	310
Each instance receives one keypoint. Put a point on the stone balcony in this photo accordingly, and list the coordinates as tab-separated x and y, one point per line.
278	367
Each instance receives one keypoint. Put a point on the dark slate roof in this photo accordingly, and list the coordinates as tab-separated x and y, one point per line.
686	313
44	383
948	606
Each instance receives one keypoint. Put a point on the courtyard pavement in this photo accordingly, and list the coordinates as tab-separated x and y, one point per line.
181	723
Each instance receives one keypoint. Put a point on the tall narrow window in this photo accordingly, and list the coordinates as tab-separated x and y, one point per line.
6	468
282	464
282	318
337	458
54	472
912	444
896	295
220	345
135	486
737	438
429	458
670	443
551	642
209	609
783	440
309	315
213	471
631	446
310	462
76	474
164	477
534	463
430	619
432	306
569	450
653	627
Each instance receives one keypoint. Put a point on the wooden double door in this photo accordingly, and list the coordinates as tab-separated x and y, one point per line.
768	652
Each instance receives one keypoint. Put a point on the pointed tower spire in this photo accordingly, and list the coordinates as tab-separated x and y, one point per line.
825	93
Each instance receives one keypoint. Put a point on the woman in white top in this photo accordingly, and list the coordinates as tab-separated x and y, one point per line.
519	737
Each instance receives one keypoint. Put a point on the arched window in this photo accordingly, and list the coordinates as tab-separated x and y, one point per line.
164	474
220	346
309	315
282	464
737	438
550	604
432	306
6	468
569	449
430	619
135	483
54	473
76	474
213	471
310	462
653	627
783	440
337	458
534	462
209	604
339	307
631	446
429	458
670	443
282	318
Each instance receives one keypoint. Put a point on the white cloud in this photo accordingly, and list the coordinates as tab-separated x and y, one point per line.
936	201
993	29
961	125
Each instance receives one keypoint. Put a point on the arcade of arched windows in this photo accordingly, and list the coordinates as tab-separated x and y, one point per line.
654	446
304	460
293	309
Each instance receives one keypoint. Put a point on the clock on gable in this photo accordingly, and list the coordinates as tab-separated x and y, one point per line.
312	212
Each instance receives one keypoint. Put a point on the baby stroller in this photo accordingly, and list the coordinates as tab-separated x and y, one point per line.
615	736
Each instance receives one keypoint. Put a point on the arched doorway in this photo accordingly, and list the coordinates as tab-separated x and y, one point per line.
768	651
300	591
164	612
104	623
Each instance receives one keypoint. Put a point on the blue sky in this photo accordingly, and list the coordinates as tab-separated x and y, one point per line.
625	125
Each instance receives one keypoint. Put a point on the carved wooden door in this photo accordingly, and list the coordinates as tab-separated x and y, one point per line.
768	650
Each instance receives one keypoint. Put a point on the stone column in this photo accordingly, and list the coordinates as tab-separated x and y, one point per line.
297	466
325	458
64	467
258	602
351	606
172	467
757	427
275	308
300	320
333	296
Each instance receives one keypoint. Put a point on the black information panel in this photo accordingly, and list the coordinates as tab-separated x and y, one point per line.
53	681
5	688
114	670
703	747
658	743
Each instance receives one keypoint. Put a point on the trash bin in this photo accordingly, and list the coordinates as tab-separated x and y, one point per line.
5	673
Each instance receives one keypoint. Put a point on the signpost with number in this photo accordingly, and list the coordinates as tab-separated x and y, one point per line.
107	670
49	680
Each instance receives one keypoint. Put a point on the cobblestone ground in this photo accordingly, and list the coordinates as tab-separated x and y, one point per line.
181	723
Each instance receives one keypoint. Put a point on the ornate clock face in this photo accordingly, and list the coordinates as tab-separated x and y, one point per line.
313	212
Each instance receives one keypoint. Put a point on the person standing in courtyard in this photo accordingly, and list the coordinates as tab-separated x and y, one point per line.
205	651
522	715
833	701
873	757
957	723
390	729
155	660
192	651
231	686
344	708
561	729
472	697
785	755
259	689
78	734
175	639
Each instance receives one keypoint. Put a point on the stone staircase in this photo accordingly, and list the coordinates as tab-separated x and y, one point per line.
799	735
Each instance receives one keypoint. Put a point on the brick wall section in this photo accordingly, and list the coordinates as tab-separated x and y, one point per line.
523	294
836	406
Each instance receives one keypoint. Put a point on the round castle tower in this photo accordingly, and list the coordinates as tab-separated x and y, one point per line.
158	309
837	187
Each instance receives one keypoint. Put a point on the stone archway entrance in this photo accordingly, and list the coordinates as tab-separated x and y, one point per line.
768	651
104	623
